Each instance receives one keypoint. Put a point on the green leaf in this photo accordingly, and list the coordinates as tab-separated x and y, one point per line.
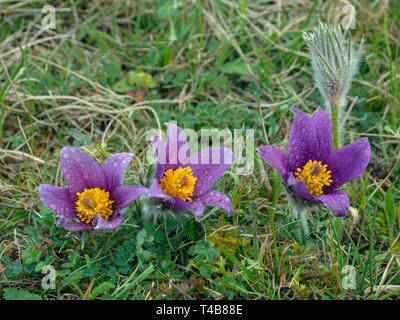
80	138
122	86
223	83
28	268
235	261
74	275
146	255
32	231
205	271
14	269
235	67
168	265
273	36
101	288
30	255
211	253
181	75
140	238
389	207
128	284
15	294
47	262
140	79
170	9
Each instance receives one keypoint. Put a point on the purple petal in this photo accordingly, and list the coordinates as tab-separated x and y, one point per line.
58	200
337	203
72	226
161	152
80	171
171	202
218	199
323	129
101	223
159	172
197	209
299	188
303	143
177	148
124	195
276	158
208	166
156	192
348	163
114	168
180	204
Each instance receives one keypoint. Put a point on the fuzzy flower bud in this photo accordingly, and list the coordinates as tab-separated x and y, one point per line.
334	61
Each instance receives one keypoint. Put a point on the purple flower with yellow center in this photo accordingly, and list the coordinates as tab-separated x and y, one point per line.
183	182
94	196
312	170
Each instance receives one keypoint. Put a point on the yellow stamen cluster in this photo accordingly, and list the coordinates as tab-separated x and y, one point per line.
91	202
315	176
179	183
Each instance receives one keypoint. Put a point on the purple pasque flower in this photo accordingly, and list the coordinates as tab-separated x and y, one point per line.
312	170
183	182
94	196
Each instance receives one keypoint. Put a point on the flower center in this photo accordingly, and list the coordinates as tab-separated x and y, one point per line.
179	183
315	176
91	202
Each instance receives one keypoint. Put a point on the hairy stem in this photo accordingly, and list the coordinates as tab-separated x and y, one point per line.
299	216
335	126
303	215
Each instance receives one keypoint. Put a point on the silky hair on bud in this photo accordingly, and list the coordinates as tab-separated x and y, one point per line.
335	61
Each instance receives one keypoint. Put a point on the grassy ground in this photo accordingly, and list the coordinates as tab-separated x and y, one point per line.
214	64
